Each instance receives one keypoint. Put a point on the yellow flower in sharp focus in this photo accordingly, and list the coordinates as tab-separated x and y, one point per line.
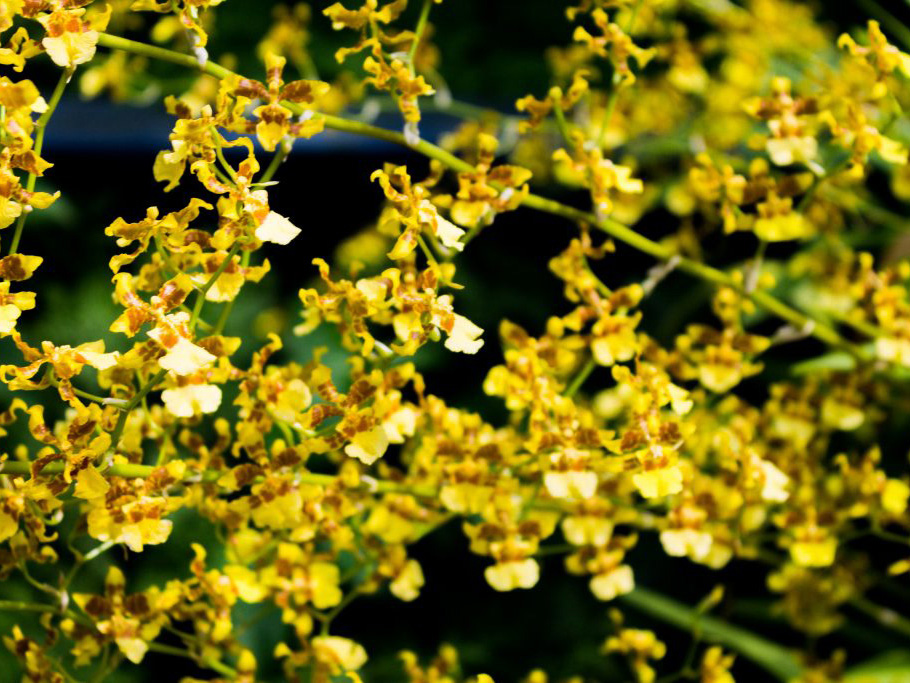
449	234
276	228
17	267
90	484
11	307
70	40
137	523
275	122
9	314
278	509
192	399
294	398
463	337
183	357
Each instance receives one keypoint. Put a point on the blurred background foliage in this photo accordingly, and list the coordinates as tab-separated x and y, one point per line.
103	154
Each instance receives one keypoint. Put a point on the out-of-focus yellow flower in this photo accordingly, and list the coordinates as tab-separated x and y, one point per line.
640	646
880	57
715	666
895	495
615	45
587	167
660	482
617	581
813	547
341	654
778	222
407	583
512	574
188	17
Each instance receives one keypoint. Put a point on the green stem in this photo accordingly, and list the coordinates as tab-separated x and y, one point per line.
862	326
818	181
52	378
883	615
226	311
705	272
134	471
133	402
40	127
613	228
608	114
330	616
456	108
561	123
421	242
200	294
206	326
81	560
580	378
212	664
418	33
224	163
284	148
117	43
614	91
770	656
19	606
